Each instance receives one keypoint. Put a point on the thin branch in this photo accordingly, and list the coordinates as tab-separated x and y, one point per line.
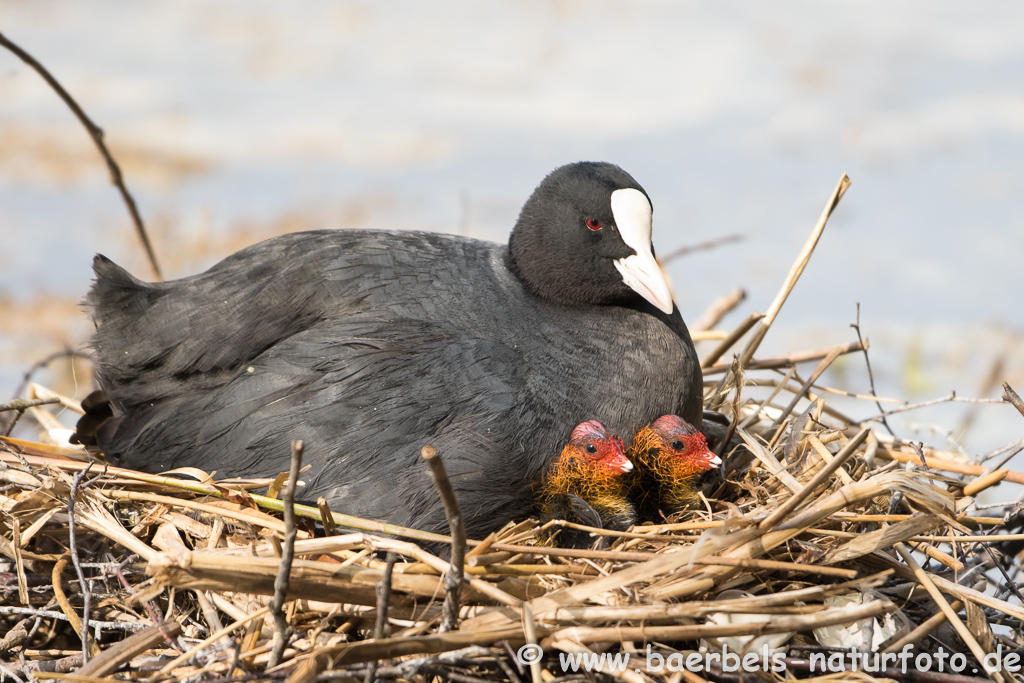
820	478
51	614
96	133
794	272
24	404
871	376
39	365
690	248
453	578
86	595
718	309
1007	458
152	609
776	362
383	591
15	637
952	398
1010	584
965	634
822	366
1010	396
282	631
730	340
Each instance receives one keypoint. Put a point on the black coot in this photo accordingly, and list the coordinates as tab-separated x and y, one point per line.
368	345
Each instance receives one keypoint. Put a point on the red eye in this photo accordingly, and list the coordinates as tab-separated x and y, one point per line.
593	224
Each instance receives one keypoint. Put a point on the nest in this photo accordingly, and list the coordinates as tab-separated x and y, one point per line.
823	539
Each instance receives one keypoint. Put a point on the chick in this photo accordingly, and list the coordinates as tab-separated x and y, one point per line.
669	455
586	484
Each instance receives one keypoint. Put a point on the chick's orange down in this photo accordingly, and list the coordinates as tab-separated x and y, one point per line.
586	484
668	456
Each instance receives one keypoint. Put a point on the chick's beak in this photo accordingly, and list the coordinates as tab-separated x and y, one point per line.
621	463
711	459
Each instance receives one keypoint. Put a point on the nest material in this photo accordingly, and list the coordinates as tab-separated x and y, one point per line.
808	544
811	545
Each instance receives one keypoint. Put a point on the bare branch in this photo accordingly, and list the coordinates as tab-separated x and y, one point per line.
96	133
282	631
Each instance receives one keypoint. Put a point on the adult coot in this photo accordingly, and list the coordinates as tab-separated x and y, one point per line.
367	345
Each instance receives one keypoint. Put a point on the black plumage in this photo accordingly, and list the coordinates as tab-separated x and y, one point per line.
368	345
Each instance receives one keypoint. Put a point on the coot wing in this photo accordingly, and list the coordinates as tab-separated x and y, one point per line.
197	331
368	391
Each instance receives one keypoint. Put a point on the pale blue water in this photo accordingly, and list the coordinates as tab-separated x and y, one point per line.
736	117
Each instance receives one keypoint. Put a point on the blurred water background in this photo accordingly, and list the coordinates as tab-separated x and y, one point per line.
235	121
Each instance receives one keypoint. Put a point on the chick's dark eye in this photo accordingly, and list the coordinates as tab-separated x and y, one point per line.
594	224
677	445
591	448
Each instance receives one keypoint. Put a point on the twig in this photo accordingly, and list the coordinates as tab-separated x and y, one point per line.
730	431
330	529
939	463
67	353
921	632
889	672
282	631
794	272
689	248
23	404
39	365
532	656
871	376
728	342
108	661
15	637
51	614
1010	584
96	133
952	398
383	590
453	577
717	310
86	595
784	361
181	659
1008	457
1011	396
154	615
20	406
822	366
5	672
64	665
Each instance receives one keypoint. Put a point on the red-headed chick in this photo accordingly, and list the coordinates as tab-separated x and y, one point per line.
668	455
586	484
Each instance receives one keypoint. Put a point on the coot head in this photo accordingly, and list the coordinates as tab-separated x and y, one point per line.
669	455
595	448
584	237
586	484
681	441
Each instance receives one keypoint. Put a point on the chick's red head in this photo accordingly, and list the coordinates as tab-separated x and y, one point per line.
599	448
682	441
